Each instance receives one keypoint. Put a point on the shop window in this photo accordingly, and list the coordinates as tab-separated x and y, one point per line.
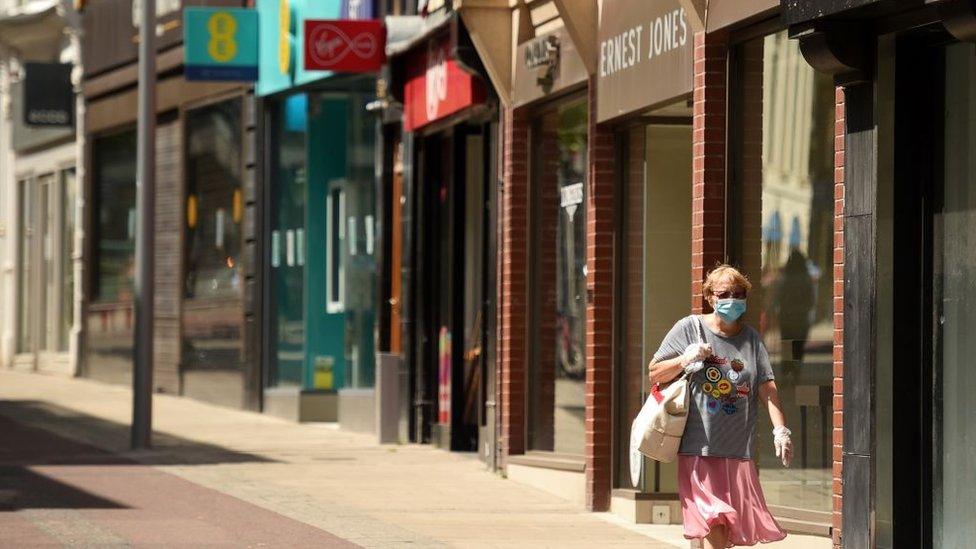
557	367
213	275
783	237
26	230
115	219
335	241
110	312
67	251
954	310
287	189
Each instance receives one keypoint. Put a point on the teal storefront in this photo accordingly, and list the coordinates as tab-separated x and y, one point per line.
319	226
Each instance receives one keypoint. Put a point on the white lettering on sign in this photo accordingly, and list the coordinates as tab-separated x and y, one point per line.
436	79
669	32
621	51
666	33
48	117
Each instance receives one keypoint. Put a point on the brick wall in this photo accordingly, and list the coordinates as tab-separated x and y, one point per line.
599	310
513	297
838	434
708	160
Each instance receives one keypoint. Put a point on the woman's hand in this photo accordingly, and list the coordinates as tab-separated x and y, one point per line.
783	444
769	394
693	356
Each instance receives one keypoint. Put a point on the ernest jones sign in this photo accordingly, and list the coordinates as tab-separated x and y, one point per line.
646	56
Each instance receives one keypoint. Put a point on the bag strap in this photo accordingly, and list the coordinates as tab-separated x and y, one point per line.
701	329
700	332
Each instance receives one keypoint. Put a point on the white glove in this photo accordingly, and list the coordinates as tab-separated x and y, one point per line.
693	356
784	446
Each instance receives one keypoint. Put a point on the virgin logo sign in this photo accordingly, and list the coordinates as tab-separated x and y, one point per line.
344	46
436	86
436	76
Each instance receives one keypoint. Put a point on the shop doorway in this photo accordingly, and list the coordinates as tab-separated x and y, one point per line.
654	274
450	388
396	249
926	294
45	271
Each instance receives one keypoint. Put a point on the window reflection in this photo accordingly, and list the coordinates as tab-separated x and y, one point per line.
213	308
110	314
558	367
785	235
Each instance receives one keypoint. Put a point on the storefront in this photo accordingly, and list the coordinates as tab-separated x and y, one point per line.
40	199
909	220
204	340
446	255
644	96
554	277
765	193
318	258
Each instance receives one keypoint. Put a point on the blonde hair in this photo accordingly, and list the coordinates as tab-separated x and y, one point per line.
725	272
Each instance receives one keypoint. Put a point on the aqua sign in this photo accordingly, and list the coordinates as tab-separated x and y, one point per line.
220	44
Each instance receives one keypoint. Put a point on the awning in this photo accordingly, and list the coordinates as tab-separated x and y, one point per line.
406	31
33	30
726	13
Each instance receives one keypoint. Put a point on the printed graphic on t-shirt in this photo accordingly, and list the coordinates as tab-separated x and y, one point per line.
720	387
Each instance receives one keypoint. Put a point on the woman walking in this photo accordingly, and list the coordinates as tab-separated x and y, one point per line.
730	378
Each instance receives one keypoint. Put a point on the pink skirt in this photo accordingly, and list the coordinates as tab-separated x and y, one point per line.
724	491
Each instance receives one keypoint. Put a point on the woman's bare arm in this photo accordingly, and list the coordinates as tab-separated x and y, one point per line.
664	371
769	394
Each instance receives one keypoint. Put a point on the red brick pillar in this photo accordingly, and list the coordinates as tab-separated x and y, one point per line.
599	310
838	433
512	283
708	164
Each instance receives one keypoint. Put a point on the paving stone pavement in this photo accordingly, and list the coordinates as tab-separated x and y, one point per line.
317	475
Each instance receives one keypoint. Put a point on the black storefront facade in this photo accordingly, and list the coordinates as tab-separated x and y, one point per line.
441	173
908	74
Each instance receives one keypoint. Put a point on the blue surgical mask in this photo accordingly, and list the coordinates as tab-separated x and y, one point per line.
730	309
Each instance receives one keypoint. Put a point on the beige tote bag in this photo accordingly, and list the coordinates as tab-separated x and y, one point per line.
658	428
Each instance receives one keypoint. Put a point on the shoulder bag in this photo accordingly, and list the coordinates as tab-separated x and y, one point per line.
660	424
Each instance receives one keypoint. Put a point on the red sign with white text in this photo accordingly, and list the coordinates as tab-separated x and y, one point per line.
344	45
436	86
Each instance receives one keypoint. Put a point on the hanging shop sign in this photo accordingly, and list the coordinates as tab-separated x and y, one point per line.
49	98
436	85
220	44
544	65
344	45
646	56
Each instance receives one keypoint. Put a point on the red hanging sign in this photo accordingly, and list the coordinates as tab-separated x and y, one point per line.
344	45
437	86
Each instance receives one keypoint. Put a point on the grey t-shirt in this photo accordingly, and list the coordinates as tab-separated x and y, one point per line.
723	405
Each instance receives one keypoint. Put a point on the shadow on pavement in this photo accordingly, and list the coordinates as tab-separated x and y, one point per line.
87	440
22	488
